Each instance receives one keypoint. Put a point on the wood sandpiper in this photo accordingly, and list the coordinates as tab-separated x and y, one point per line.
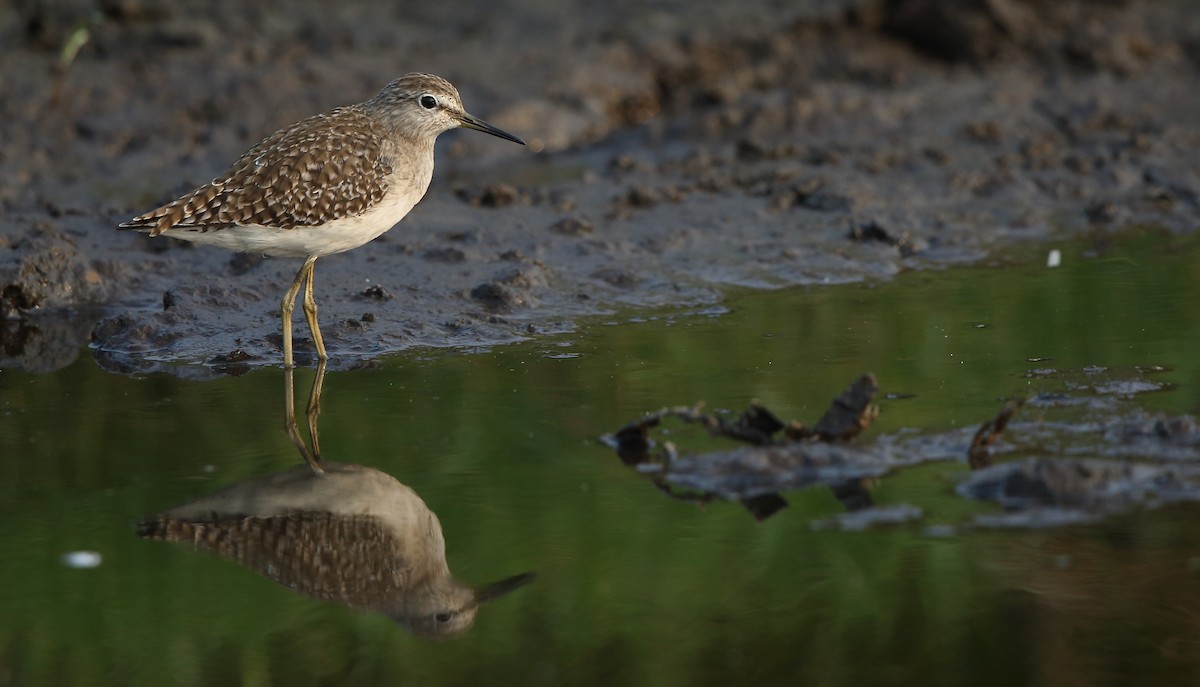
324	185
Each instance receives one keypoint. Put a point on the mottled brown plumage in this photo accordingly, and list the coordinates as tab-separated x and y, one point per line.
324	185
323	168
352	560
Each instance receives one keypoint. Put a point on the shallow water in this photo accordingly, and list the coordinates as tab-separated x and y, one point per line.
633	587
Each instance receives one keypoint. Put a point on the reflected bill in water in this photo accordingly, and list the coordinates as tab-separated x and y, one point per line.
344	533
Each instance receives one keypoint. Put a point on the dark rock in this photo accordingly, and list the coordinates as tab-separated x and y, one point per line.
375	292
44	270
1102	212
641	197
494	296
872	231
622	279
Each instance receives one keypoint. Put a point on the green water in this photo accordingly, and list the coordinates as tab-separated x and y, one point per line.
633	587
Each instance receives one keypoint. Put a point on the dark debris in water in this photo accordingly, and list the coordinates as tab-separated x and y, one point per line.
1162	438
1043	492
978	455
1087	454
780	455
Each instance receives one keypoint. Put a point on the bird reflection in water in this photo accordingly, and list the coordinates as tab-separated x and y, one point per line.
344	533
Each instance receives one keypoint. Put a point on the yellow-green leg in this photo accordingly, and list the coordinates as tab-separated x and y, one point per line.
313	457
314	410
289	304
310	311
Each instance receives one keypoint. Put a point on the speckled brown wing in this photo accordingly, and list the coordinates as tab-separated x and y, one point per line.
351	560
323	168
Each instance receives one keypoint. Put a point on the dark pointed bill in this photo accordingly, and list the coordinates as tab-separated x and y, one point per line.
496	590
472	122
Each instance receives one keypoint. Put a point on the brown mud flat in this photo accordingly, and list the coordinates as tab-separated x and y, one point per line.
673	154
1083	454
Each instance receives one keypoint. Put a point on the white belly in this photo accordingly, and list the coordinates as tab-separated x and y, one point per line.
301	242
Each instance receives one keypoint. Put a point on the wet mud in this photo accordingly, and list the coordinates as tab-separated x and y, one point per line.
1086	454
673	155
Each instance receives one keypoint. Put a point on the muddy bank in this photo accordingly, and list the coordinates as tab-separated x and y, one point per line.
673	155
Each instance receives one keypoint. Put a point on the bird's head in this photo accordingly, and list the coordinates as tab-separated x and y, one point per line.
427	105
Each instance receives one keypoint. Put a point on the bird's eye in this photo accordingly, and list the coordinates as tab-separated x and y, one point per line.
441	617
428	101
